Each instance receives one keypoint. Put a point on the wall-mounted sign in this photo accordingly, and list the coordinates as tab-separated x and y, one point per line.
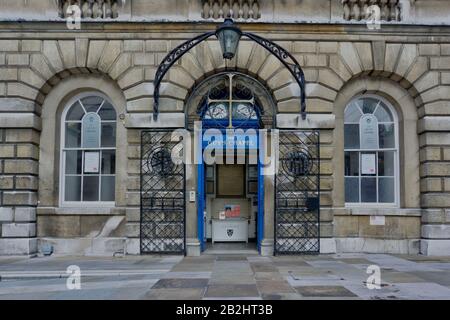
91	162
377	220
91	130
368	131
368	163
238	139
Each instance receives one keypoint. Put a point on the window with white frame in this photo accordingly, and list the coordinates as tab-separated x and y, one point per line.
371	152
88	156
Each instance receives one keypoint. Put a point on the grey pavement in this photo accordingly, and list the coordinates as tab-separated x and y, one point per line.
337	276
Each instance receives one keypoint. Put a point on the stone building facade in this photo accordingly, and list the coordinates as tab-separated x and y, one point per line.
45	67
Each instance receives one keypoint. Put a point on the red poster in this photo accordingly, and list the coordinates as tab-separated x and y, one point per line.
232	211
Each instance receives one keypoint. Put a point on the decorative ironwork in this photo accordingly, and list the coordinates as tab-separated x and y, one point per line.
162	195
297	194
288	61
279	52
160	162
169	60
298	163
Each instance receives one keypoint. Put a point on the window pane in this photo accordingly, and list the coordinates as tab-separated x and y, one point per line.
369	105
386	163
76	112
352	113
107	112
351	189
383	114
387	137
73	162
73	135
386	190
108	187
90	188
351	163
72	188
91	104
368	190
351	136
109	134
108	162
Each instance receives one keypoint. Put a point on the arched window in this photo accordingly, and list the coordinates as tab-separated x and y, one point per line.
230	102
88	151
371	152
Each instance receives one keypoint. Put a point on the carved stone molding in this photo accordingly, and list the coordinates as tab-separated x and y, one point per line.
236	9
93	9
383	10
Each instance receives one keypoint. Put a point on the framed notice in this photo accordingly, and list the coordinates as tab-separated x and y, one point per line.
91	162
368	163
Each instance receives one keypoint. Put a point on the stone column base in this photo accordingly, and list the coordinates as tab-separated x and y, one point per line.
327	245
193	247
267	247
434	247
24	246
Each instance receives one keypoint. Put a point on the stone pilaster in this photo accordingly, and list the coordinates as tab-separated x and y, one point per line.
19	154
435	181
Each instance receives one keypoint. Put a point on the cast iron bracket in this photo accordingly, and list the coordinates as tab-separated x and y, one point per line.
281	54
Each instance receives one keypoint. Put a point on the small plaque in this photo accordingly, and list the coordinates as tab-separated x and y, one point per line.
369	131
91	130
377	220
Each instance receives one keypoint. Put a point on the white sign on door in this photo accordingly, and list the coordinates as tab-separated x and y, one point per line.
91	161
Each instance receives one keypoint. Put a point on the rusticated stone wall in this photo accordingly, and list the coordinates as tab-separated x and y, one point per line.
414	71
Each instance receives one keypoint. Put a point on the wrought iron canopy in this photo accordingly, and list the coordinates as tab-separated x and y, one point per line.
280	53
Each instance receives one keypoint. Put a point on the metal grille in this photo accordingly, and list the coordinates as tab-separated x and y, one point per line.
297	204
162	195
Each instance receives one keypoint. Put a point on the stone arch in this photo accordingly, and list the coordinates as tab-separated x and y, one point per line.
407	112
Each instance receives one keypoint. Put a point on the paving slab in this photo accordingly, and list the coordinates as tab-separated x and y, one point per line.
180	283
325	291
230	290
174	294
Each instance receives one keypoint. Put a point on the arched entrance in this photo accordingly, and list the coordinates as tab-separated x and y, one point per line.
230	110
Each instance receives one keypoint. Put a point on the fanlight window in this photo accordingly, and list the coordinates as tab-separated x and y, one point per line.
230	103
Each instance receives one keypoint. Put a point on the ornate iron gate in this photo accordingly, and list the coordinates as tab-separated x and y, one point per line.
297	193
162	195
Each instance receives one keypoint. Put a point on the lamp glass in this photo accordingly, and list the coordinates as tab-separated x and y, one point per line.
229	40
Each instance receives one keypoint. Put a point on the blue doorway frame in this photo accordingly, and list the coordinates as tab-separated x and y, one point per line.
201	193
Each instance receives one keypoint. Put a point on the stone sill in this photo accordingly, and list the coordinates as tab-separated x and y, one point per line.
113	211
359	211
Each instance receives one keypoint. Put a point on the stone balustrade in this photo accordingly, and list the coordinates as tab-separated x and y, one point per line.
381	10
94	9
236	9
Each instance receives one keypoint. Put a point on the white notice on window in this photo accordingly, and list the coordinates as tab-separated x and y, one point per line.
368	164
91	161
